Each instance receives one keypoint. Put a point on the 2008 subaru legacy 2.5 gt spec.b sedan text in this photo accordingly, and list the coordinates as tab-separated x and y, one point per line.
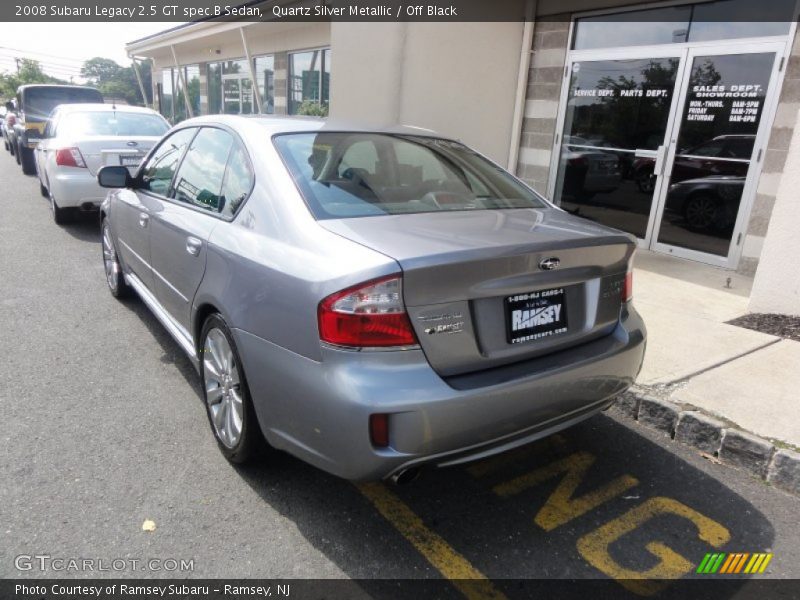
370	301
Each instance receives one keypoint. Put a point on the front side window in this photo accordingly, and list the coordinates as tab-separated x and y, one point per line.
364	174
157	173
199	179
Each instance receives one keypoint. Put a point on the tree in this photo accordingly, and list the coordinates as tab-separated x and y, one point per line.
115	81
98	70
29	71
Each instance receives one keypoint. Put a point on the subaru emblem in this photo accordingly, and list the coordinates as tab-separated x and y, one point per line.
133	143
548	264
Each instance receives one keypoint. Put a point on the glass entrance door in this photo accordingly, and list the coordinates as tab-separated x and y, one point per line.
616	122
665	144
710	169
237	94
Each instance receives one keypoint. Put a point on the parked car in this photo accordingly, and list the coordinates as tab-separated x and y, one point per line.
587	171
81	138
723	155
370	301
706	204
34	104
9	119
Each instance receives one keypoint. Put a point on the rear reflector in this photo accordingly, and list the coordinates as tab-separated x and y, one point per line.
379	430
370	315
70	157
627	287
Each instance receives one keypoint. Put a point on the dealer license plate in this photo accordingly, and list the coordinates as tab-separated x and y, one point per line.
535	315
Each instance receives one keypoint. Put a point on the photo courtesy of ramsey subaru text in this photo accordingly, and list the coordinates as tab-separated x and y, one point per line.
370	300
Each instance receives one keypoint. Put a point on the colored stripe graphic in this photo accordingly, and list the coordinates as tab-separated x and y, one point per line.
701	568
718	562
735	563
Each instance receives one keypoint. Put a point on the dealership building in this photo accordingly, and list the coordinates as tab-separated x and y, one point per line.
670	120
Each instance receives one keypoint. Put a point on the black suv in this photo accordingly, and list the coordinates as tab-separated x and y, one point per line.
34	104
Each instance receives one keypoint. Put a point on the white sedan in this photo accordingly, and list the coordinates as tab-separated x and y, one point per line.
81	138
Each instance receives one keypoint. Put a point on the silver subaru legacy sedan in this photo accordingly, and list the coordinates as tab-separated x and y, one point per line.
370	300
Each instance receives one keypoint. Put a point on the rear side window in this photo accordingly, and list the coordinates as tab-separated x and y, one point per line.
237	183
40	101
199	179
157	173
111	123
354	174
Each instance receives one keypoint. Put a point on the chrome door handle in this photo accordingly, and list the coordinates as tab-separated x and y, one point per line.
193	245
143	219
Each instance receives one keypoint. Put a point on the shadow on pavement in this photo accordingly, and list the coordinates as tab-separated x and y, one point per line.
588	503
506	537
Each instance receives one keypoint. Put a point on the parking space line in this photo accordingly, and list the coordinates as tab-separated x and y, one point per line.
452	565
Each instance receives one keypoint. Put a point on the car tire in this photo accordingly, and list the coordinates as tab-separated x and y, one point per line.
225	394
701	212
646	182
61	216
27	161
115	279
43	190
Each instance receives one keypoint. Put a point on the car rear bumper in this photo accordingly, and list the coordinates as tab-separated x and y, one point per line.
319	411
74	187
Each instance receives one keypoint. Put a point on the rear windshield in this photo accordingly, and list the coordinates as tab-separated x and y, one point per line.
344	175
39	102
111	123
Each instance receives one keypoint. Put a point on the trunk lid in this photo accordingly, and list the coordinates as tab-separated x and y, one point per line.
461	268
99	151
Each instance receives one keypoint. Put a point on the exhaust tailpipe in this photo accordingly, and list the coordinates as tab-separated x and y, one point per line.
405	476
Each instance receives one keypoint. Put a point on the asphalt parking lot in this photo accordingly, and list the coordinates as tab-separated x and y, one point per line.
104	428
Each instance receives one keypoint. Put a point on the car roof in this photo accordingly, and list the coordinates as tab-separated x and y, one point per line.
275	124
28	86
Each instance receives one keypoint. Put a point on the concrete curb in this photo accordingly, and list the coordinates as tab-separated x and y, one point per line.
732	446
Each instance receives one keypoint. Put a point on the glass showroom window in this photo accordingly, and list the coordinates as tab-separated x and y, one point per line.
723	19
166	101
214	78
309	79
192	74
265	79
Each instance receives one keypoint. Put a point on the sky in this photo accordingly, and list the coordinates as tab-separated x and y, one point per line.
61	48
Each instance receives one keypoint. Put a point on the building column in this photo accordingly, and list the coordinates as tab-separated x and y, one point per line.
281	83
776	288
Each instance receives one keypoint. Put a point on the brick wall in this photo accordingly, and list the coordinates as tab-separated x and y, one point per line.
774	159
541	103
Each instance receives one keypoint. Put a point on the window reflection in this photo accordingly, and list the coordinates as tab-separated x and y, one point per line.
715	145
616	118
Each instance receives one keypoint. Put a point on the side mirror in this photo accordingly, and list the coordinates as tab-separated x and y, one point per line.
113	176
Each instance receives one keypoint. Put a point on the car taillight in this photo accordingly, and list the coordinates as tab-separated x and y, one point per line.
371	314
70	157
578	161
379	430
627	287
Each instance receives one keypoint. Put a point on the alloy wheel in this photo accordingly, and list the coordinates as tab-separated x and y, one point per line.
110	261
224	395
